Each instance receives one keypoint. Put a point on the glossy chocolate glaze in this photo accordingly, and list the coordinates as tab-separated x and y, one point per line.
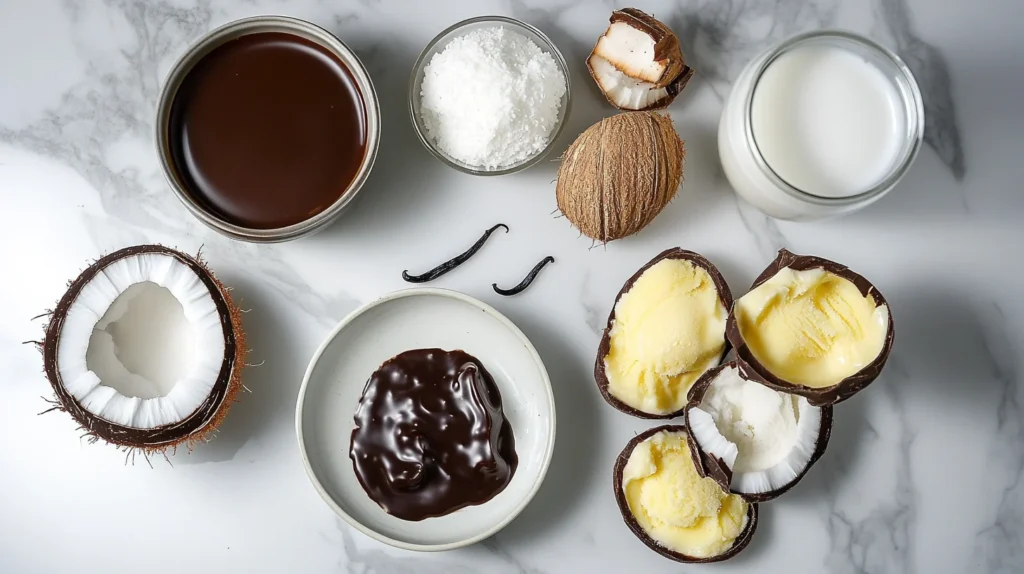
430	435
267	130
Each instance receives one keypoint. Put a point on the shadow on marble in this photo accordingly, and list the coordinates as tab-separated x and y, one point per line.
940	362
588	106
851	433
703	191
927	193
272	379
761	544
737	276
404	171
576	461
942	339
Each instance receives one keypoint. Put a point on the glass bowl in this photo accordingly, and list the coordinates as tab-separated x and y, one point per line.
439	43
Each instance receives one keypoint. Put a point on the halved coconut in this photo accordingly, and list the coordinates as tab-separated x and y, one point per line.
637	62
836	349
753	440
669	492
666	336
145	349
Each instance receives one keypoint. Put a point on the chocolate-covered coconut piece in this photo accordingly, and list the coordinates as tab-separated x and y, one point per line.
658	492
637	63
812	327
753	440
665	329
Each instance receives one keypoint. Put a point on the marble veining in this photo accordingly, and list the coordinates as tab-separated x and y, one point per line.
1000	546
925	469
942	131
875	531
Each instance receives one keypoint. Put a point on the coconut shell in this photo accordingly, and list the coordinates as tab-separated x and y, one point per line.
845	388
714	467
193	428
600	374
738	545
619	174
674	88
666	49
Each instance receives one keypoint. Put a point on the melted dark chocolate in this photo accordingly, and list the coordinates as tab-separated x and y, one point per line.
267	130
430	435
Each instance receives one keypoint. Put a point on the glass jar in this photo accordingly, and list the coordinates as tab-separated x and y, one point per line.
743	155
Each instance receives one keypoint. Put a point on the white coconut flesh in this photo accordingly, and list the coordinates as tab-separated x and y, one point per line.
632	50
765	437
142	344
627	93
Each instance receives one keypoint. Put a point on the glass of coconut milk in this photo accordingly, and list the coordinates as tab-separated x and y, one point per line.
821	125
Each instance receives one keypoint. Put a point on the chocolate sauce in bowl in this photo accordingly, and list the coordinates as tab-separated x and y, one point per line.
431	436
267	130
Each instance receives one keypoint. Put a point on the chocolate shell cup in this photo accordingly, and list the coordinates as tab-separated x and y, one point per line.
711	466
601	377
845	388
738	545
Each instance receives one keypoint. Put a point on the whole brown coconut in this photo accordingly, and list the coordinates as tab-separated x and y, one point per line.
619	174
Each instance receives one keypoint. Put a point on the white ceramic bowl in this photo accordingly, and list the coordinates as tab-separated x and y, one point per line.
414	319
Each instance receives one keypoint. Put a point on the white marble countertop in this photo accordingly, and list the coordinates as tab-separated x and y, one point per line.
924	471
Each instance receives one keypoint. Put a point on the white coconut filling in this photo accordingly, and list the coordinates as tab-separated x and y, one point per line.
625	91
142	345
765	437
632	49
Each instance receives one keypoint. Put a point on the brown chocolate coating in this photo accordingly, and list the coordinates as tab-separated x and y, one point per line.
267	130
845	388
666	43
430	435
738	545
601	376
166	435
714	467
666	46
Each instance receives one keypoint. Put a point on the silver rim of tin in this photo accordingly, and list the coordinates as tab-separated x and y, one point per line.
230	31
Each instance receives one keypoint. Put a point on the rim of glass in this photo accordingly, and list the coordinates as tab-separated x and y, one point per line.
910	95
420	64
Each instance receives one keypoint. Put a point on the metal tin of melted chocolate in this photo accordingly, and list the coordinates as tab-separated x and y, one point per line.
319	39
430	435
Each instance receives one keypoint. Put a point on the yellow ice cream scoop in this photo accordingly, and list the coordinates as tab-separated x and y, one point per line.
672	505
667	328
811	327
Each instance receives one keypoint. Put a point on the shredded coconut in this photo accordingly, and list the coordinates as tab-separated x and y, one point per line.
761	422
491	98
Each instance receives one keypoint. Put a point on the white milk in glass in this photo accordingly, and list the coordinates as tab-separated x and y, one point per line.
822	125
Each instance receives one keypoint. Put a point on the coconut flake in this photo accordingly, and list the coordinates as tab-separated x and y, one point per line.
707	435
745	424
625	92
